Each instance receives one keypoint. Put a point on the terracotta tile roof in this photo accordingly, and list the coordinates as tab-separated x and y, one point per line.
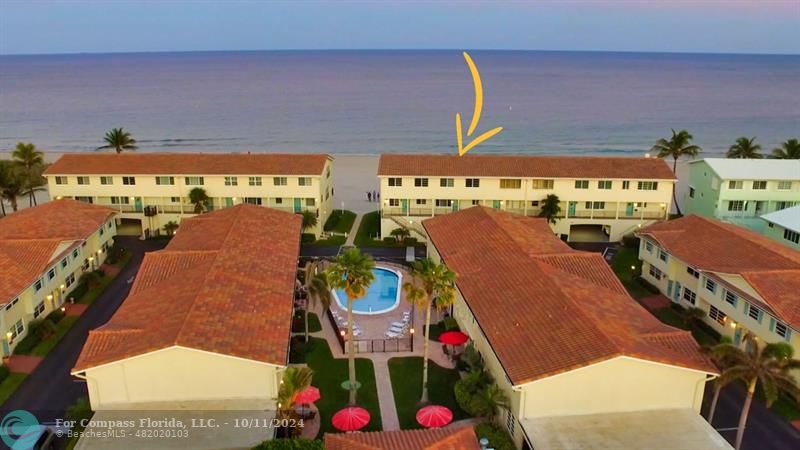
30	238
545	308
224	284
709	245
141	163
448	438
524	166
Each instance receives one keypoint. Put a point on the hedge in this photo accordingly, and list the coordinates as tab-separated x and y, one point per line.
290	444
4	373
498	438
307	238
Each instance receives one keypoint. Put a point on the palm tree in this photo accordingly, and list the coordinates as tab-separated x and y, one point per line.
433	285
745	148
722	361
119	140
492	398
352	272
677	146
400	234
788	150
6	177
771	364
309	219
294	381
29	160
199	198
171	227
12	184
316	286
551	208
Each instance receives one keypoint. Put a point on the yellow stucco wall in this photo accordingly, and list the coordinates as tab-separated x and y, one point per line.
177	375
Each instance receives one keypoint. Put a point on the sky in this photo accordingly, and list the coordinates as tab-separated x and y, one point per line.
704	26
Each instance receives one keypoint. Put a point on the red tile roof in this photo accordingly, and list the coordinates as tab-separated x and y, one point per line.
30	237
518	166
224	284
709	245
448	438
545	308
189	164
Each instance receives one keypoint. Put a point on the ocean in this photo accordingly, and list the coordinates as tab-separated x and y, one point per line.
368	102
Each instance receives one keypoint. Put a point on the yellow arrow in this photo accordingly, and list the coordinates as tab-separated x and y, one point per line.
476	114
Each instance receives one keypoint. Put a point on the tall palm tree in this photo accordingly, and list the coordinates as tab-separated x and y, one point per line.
722	361
316	286
12	184
745	148
400	234
5	178
199	198
352	272
551	208
788	150
492	399
30	161
171	227
432	285
680	144
119	140
309	220
770	364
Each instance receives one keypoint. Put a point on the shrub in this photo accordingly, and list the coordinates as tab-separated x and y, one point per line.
410	241
41	328
498	438
390	240
78	292
4	372
307	238
472	358
55	316
100	273
630	241
115	253
449	323
90	279
290	444
26	345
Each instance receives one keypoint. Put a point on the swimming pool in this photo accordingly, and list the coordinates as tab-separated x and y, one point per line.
383	294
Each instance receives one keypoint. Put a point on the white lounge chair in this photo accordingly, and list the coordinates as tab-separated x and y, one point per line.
400	324
391	334
397	329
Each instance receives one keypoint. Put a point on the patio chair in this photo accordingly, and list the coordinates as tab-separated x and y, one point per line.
399	324
397	329
356	332
392	335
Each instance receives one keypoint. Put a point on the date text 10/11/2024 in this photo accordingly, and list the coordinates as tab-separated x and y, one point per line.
247	422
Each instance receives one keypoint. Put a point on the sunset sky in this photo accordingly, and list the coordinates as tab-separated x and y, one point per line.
727	26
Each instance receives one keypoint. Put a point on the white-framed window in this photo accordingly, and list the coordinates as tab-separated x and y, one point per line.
781	329
476	202
421	201
735	184
535	203
736	205
755	313
691	192
510	183
655	273
193	181
604	184
165	181
395	181
663	255
689	295
37	286
759	185
69	280
311	202
581	184
16	329
595	205
692	272
717	315
129	181
231	181
542	184
11	304
647	186
472	182
394	202
61	180
64	262
304	181
648	246
51	273
626	184
83	180
38	310
120	200
441	203
253	200
711	285
791	236
446	182
280	181
785	185
730	297
278	201
175	200
254	181
75	253
420	182
106	180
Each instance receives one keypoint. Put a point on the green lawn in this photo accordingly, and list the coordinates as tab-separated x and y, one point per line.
406	374
298	324
63	325
10	384
336	240
340	222
329	374
371	226
621	263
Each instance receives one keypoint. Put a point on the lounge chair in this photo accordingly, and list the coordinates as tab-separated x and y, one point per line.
399	324
391	334
397	329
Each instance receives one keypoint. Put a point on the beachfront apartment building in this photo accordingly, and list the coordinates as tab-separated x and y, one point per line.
43	252
740	191
742	280
784	226
582	363
149	190
601	198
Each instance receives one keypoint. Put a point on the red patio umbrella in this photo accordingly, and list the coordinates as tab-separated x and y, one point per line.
350	419
434	416
453	338
307	395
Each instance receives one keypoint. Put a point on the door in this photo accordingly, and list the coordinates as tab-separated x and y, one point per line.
404	205
137	204
455	205
629	209
228	202
759	208
737	336
298	205
669	288
676	295
571	209
496	204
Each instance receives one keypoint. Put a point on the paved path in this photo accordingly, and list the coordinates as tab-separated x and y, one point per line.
383	383
351	236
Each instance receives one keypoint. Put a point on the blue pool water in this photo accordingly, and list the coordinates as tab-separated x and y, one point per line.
382	295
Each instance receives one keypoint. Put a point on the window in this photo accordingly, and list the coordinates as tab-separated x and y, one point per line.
693	272
581	184
784	185
83	180
394	202
647	186
441	203
395	181
16	330
64	262
717	315
595	205
129	181
51	273
83	199
781	329
253	200
421	182
279	181
328	172
193	181
120	200
106	180
648	246
662	255
446	182
510	422
254	181
655	273
733	184
736	205
38	310
783	205
11	304
61	180
711	285
759	185
472	182
231	181
175	199
691	192
791	236
69	280
278	201
476	202
535	203
75	253
311	202
754	313
689	296
626	184
166	181
37	286
542	184
730	297
510	184
421	201
604	184
304	181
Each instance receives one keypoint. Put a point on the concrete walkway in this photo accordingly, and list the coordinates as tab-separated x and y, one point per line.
351	236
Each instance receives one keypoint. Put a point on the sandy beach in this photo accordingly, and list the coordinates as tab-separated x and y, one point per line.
354	175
